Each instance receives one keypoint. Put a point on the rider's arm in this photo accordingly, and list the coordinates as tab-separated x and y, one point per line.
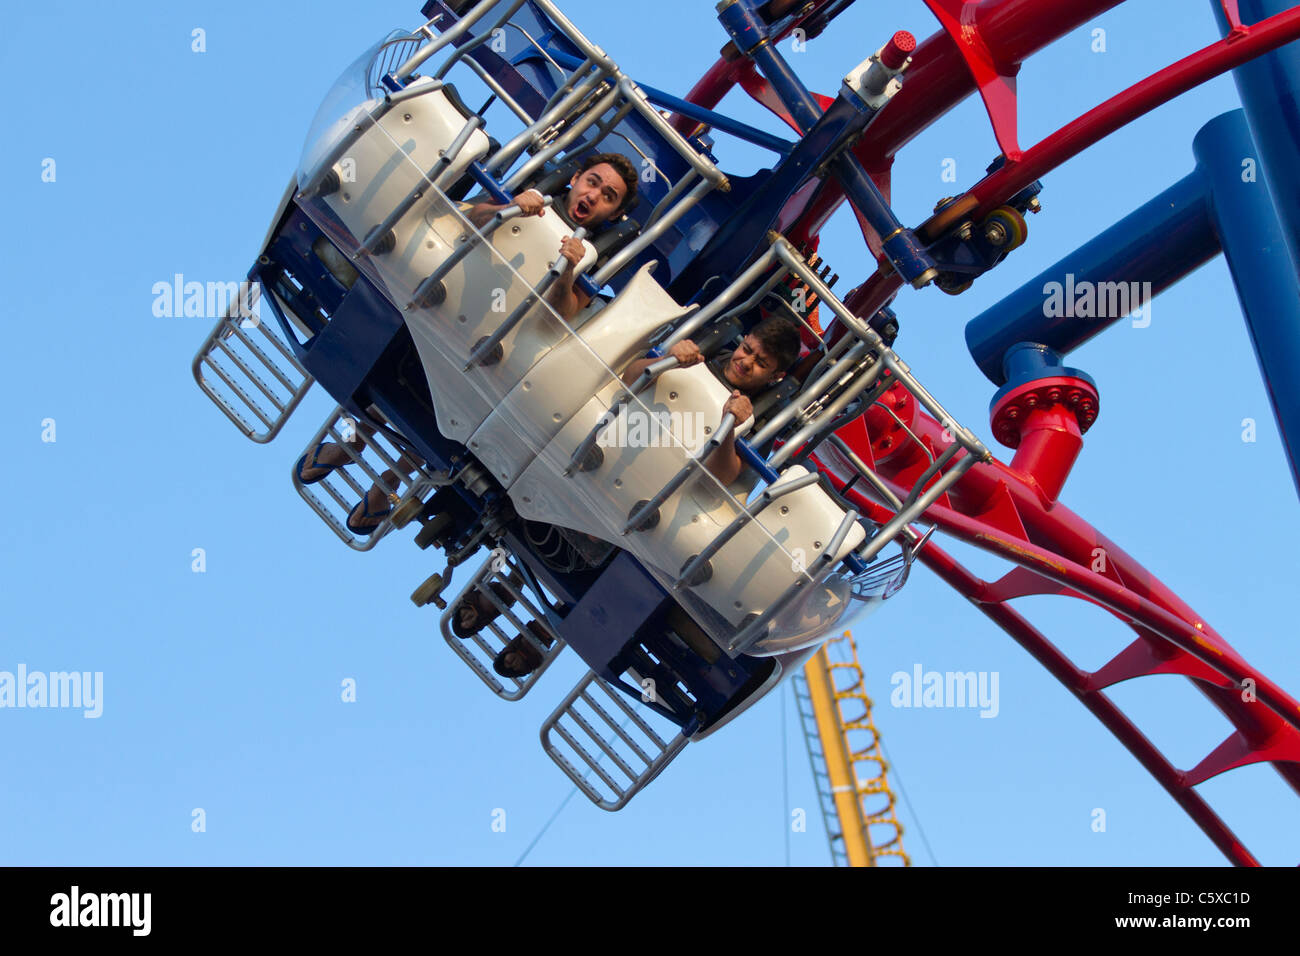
529	202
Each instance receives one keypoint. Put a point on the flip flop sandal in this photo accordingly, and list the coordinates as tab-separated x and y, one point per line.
485	611
363	504
315	462
528	657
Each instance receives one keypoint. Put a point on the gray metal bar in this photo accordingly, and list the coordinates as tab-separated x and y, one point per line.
881	488
808	394
252	405
928	401
266	360
600	740
727	296
500	91
635	719
770	494
515	317
455	33
842	344
782	249
825	563
652	372
252	376
570	79
428	181
911	513
670	197
592	762
695	461
935	466
841	401
585	46
787	254
529	135
537	46
634	248
675	139
539	159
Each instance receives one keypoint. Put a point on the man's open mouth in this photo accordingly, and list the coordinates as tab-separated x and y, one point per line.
580	210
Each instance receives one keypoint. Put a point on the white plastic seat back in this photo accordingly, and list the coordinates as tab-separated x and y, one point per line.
751	571
566	377
390	159
481	292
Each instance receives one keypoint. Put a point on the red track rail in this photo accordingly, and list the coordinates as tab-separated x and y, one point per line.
1000	511
1005	511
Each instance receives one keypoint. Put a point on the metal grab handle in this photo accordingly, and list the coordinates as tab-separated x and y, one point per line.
488	344
643	381
430	180
723	432
770	494
469	243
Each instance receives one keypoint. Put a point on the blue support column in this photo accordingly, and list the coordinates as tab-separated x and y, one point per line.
905	251
1160	243
1269	87
1260	263
1219	206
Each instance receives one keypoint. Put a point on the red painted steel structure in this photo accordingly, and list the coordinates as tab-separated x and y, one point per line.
1011	511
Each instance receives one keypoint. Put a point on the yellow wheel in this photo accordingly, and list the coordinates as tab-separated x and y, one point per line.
406	512
1004	228
429	592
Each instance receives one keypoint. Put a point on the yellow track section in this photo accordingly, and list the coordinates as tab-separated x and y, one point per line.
855	770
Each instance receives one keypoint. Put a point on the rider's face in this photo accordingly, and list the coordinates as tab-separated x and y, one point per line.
595	195
751	366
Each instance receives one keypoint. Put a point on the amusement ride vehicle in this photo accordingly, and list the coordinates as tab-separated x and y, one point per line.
403	273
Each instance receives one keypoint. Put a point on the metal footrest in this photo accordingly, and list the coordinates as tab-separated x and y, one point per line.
339	492
595	728
249	371
480	649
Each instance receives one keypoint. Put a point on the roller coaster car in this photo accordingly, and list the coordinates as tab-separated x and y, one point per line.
690	598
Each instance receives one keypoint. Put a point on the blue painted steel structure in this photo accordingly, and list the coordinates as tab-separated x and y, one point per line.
1270	92
1160	243
1222	205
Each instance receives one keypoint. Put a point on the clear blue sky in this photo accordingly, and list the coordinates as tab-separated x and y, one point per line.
222	689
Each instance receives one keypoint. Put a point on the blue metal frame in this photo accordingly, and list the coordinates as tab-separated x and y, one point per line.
719	121
1215	208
